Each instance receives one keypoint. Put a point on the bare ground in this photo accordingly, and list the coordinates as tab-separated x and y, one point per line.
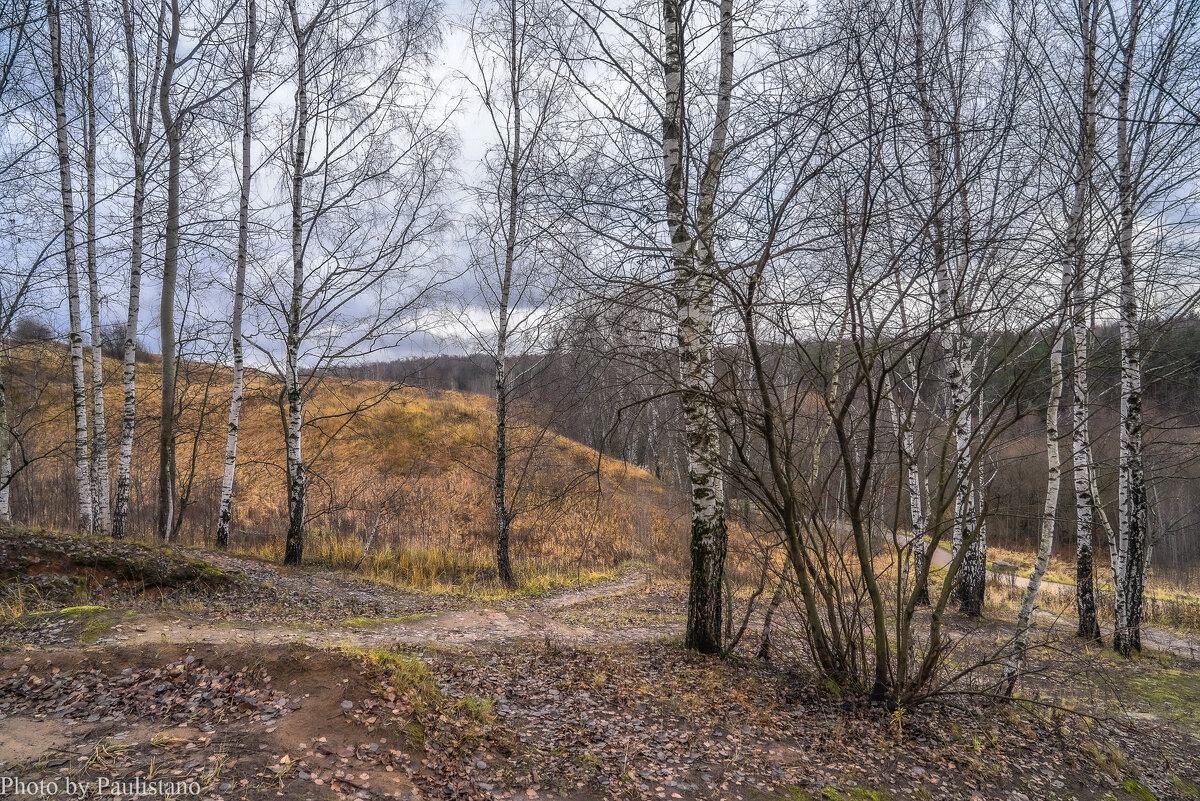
263	682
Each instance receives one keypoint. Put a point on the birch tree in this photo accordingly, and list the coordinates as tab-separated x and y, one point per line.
363	161
1075	263
521	86
99	444
1152	163
225	511
83	484
696	267
143	41
1053	476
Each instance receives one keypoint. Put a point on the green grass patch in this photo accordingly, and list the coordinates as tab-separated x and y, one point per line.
1169	693
1138	790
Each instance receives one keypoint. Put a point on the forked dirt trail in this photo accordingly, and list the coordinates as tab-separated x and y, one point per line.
548	618
261	682
475	623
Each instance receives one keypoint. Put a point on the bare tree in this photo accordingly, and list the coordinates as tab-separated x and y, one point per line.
363	171
66	186
225	512
668	89
99	447
143	40
175	113
516	254
1152	159
1075	261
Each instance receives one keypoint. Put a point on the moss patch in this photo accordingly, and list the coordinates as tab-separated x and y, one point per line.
1169	693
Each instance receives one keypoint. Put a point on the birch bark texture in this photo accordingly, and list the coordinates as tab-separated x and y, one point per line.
296	479
1075	264
1020	645
1131	551
694	262
83	484
140	119
101	485
225	510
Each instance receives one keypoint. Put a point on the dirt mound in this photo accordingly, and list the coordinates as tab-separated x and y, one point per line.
56	569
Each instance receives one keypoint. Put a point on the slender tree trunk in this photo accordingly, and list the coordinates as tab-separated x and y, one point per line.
166	309
764	643
1075	259
916	509
514	157
139	135
955	347
225	511
296	480
5	447
1053	484
371	535
6	475
503	519
972	581
78	388
916	490
100	478
1132	492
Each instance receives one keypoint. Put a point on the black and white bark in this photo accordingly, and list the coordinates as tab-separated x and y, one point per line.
1131	551
83	484
225	510
1020	645
1075	264
694	261
101	485
296	478
362	171
141	102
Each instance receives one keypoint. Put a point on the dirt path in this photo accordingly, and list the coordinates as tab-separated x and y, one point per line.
388	617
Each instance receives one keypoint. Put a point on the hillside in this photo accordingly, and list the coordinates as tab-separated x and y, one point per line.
414	464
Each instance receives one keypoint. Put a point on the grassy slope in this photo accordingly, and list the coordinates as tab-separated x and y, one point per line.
417	462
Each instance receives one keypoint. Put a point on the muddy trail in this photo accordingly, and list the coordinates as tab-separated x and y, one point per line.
254	681
139	595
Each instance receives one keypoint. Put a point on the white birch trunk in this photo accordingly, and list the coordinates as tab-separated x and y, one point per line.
916	490
100	479
6	475
83	484
225	510
1016	658
957	389
1075	266
513	158
5	447
694	262
1131	491
139	135
296	479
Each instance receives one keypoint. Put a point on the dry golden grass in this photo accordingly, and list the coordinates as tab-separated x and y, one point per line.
417	463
